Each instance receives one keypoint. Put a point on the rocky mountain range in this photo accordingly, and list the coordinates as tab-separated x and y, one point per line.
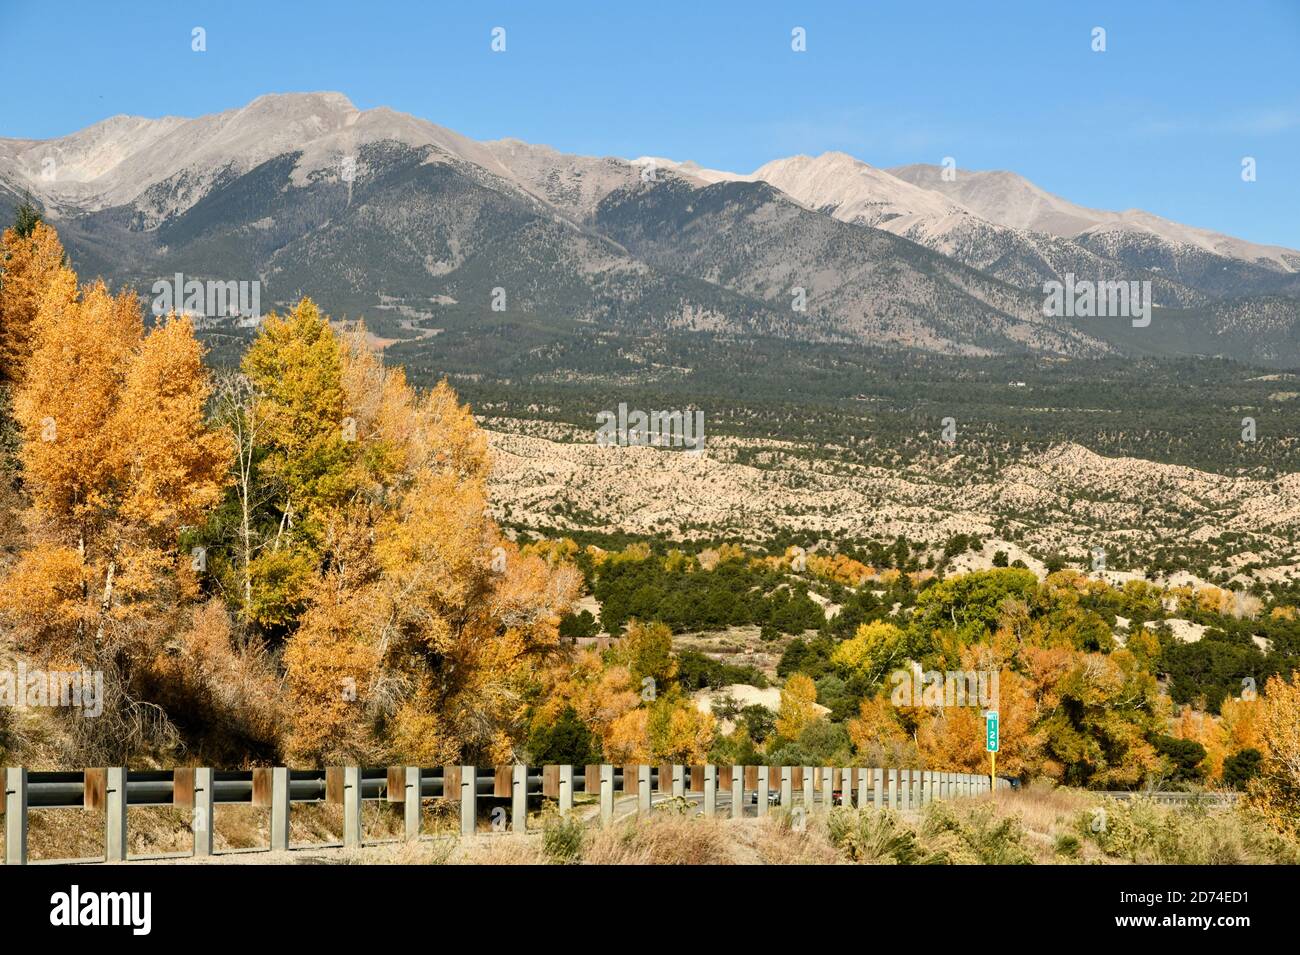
382	214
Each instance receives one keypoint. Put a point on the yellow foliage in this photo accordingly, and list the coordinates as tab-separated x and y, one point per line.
1276	791
117	458
553	551
1205	729
872	651
426	628
679	731
797	709
877	735
841	569
27	265
1240	725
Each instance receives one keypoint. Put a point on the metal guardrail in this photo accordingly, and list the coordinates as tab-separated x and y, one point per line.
201	790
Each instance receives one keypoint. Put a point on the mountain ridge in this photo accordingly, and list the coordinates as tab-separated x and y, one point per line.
178	194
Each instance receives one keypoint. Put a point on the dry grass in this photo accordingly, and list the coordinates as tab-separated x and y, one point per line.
65	834
662	839
782	839
1046	812
503	849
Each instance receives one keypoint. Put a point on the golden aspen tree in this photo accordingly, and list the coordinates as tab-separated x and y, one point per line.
953	737
679	731
422	629
117	459
1205	729
1239	724
598	693
647	650
877	735
797	710
27	263
1276	791
628	738
296	366
115	453
873	650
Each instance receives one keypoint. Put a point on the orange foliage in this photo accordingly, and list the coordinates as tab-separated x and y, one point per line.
28	264
424	630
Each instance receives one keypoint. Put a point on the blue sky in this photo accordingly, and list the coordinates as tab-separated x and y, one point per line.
1159	121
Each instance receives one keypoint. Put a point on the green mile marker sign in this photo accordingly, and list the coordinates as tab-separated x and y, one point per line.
991	730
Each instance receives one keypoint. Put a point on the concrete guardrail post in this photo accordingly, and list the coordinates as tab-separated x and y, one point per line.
710	790
828	788
566	790
679	781
352	806
606	793
787	788
468	800
280	808
115	815
762	790
737	792
891	793
519	799
878	788
905	781
412	802
644	795
809	789
15	816
201	819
